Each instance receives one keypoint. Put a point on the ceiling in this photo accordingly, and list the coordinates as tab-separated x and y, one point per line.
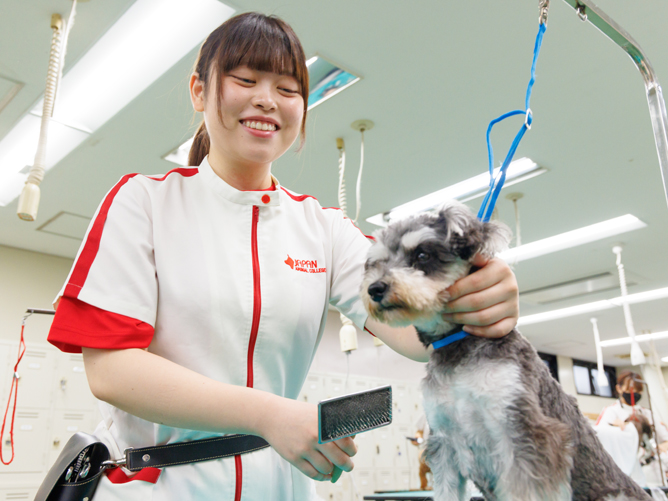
434	73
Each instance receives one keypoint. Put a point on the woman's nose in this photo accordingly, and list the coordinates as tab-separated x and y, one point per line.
264	99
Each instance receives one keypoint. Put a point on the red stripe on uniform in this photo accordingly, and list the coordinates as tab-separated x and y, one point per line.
298	198
373	239
92	245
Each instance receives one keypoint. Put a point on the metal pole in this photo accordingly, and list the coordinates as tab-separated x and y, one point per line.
588	11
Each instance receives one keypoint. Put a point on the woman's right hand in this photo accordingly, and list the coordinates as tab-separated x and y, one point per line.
291	428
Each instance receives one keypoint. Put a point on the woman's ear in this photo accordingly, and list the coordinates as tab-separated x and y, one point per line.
197	92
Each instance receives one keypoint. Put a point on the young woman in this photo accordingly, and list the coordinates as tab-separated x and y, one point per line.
198	298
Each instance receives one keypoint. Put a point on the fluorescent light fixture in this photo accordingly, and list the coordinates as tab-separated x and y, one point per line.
573	238
519	170
640	338
179	155
147	40
606	304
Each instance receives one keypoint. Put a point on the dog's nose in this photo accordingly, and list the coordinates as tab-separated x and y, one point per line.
377	291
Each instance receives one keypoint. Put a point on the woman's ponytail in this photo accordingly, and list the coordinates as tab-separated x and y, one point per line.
200	147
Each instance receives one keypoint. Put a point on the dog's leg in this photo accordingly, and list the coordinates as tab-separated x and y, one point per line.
449	484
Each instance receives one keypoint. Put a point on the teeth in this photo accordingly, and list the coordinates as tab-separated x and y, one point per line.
259	125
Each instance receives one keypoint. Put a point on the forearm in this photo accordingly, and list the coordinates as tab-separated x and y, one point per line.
403	340
158	390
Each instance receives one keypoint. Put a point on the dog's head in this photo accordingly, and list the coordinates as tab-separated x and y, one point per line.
415	260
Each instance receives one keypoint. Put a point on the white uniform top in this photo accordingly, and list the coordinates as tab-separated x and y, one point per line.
236	285
622	411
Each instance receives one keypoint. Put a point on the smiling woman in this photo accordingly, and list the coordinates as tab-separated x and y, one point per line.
199	297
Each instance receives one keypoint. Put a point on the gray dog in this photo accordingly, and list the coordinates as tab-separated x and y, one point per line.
497	416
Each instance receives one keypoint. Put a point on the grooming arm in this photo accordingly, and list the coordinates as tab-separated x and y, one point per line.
588	11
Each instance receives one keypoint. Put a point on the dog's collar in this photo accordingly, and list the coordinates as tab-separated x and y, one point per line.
449	339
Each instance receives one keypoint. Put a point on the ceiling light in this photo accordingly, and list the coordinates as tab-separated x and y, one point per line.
147	40
606	304
573	238
519	170
639	337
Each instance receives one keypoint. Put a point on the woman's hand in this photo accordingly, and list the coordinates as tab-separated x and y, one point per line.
486	301
291	427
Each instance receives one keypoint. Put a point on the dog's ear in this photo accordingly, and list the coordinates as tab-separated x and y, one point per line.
458	218
496	238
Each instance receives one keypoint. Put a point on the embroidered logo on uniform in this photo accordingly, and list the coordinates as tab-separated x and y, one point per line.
305	265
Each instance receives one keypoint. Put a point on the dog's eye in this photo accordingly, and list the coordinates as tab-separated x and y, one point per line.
423	257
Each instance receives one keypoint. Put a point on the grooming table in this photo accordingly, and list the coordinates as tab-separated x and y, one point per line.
424	496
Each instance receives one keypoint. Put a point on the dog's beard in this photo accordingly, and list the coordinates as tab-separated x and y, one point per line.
412	298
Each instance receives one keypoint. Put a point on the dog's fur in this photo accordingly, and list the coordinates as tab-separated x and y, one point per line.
497	416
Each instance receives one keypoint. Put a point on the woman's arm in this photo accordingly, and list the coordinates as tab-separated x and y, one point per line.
158	390
486	302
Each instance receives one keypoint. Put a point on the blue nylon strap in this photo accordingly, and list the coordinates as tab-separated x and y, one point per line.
449	339
495	184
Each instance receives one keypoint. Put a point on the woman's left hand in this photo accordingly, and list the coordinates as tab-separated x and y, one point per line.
486	301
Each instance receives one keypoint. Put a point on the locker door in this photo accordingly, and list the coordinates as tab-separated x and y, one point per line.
36	373
404	481
18	494
406	451
313	390
366	450
402	404
385	448
334	386
30	436
70	385
385	480
64	425
6	381
365	481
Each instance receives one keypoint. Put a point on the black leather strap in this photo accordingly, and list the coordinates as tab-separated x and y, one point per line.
161	456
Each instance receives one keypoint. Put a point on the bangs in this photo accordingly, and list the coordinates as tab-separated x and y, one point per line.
263	44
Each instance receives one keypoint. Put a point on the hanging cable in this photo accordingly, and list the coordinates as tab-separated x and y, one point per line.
601	378
637	356
358	191
342	172
29	199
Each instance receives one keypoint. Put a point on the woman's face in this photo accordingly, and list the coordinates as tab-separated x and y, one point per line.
262	115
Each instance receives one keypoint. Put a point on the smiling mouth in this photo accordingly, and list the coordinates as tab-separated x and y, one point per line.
259	125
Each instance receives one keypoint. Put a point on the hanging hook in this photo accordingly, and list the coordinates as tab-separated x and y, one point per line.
543	6
582	11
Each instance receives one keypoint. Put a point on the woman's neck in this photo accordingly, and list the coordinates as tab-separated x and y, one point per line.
242	176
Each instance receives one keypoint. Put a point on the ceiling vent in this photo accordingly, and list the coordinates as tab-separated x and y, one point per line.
66	224
576	288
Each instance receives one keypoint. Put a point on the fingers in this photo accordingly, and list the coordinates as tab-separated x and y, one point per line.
499	329
491	273
347	445
334	453
502	292
307	469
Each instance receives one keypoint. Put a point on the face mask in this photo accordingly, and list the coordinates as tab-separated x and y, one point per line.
636	396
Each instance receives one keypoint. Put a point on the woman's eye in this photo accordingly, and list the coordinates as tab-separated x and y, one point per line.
289	91
423	257
244	80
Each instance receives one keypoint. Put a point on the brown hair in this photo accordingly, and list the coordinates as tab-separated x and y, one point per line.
263	43
633	378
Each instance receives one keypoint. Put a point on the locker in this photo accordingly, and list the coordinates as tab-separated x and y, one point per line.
70	385
404	480
36	373
406	451
365	481
30	436
64	425
366	450
386	448
313	390
324	490
402	403
6	380
18	494
335	386
355	385
385	480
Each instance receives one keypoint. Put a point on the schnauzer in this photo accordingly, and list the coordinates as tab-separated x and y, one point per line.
497	416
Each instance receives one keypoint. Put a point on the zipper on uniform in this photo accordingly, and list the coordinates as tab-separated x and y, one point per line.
257	296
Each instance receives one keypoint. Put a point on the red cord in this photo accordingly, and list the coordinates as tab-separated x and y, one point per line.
15	387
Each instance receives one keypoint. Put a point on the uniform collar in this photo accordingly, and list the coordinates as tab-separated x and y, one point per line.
259	198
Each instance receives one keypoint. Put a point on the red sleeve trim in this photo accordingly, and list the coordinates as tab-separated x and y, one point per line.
601	415
370	332
118	476
298	198
78	324
373	239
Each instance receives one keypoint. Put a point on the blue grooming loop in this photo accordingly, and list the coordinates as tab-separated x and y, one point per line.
495	184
